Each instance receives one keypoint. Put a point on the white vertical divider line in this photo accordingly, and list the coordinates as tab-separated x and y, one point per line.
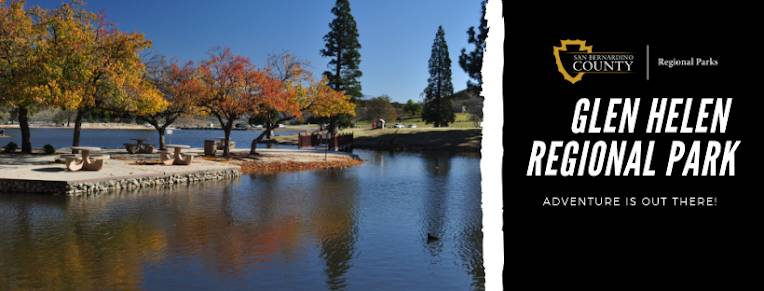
491	149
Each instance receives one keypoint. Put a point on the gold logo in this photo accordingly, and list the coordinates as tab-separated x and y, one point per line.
573	64
564	47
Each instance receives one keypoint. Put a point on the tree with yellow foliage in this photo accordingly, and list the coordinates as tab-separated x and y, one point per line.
324	102
69	57
21	36
92	65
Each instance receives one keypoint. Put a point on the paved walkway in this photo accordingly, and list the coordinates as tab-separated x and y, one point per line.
122	165
44	168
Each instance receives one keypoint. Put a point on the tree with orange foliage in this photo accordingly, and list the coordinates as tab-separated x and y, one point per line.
179	85
274	102
280	104
228	81
288	97
291	72
234	88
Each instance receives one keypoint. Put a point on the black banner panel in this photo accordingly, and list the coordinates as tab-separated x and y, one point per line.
631	144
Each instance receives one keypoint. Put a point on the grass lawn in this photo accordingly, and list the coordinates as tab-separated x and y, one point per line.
422	138
461	120
462	135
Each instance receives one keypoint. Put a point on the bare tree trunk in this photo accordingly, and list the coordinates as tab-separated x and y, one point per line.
253	146
227	133
77	129
269	127
162	131
26	139
333	132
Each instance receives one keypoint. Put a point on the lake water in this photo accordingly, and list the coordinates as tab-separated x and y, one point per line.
361	228
62	137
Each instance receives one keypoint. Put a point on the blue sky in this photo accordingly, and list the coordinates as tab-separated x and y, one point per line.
396	35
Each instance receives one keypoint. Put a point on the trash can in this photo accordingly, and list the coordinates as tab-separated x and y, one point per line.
210	147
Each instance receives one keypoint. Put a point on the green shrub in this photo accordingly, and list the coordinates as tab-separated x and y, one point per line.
48	149
10	147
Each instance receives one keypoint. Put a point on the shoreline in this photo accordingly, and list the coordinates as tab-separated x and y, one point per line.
132	126
388	139
409	139
116	126
40	173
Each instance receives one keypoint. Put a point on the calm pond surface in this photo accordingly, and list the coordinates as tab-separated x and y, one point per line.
361	228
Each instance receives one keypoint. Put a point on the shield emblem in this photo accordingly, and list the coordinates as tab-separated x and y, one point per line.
564	47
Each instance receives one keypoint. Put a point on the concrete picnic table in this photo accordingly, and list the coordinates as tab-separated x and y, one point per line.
85	151
86	161
139	147
177	157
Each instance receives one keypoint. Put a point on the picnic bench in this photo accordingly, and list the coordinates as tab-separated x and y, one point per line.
85	160
177	157
139	147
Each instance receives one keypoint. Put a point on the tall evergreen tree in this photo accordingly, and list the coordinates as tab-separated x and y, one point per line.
437	96
472	62
342	46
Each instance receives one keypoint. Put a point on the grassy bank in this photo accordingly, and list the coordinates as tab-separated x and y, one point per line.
461	120
416	139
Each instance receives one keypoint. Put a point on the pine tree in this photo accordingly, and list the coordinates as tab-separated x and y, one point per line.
437	96
342	46
472	62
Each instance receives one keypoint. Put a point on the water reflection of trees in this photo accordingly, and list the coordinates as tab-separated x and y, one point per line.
223	233
460	188
104	242
83	250
94	243
437	164
335	223
37	252
435	204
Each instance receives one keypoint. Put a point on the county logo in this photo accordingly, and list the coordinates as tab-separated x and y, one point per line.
575	59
